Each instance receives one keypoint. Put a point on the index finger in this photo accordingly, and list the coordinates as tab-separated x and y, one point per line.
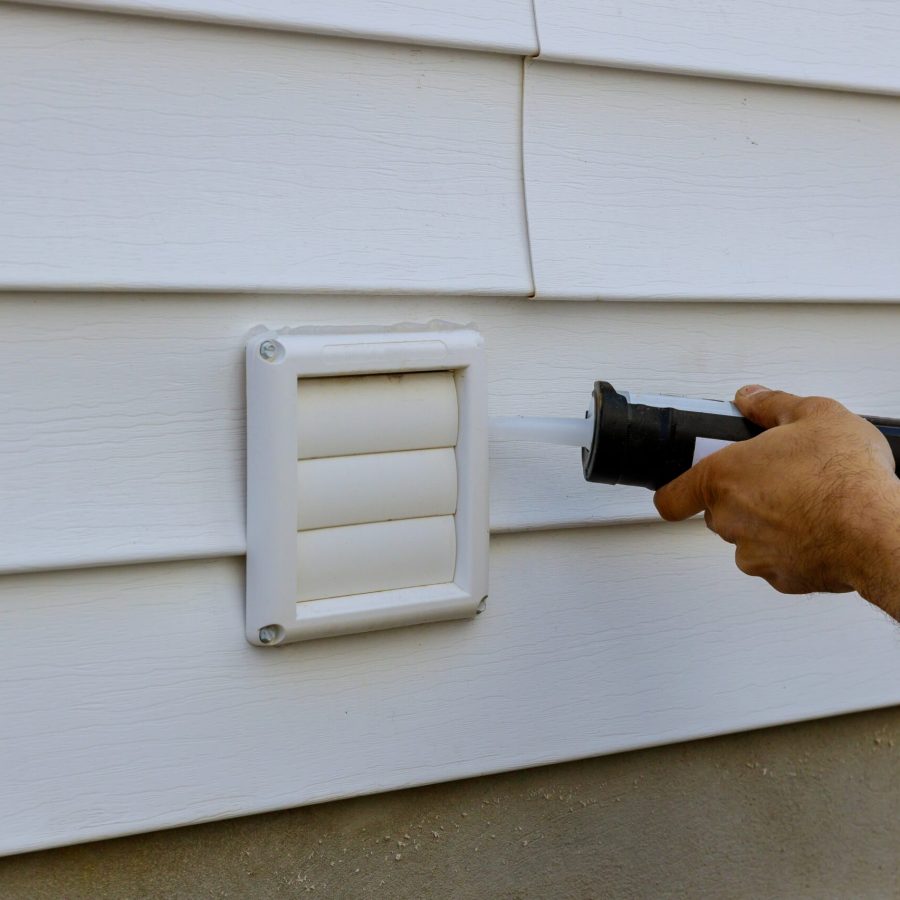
685	496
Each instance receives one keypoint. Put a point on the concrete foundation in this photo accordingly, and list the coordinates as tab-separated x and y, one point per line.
809	810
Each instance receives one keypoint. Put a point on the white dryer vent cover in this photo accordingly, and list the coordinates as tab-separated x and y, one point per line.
366	481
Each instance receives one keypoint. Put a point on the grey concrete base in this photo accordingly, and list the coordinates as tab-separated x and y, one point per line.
809	810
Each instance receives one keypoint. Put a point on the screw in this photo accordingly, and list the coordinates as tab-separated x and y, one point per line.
268	350
268	634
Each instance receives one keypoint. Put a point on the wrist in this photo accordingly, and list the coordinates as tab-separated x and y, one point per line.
874	547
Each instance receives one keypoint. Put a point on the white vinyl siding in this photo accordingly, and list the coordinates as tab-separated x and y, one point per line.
844	44
126	412
646	186
160	155
168	187
138	704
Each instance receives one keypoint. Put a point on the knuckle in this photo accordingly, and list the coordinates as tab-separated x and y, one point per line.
707	480
775	581
721	491
818	406
728	534
787	584
749	564
725	526
773	401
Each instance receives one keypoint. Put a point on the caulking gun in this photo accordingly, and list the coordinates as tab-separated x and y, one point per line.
647	439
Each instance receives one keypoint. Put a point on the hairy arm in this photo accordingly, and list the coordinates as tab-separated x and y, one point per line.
811	504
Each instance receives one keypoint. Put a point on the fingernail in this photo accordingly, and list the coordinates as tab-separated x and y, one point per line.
749	389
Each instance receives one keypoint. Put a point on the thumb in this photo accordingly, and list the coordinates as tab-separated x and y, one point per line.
766	407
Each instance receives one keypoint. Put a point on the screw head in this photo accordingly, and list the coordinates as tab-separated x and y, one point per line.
268	350
268	634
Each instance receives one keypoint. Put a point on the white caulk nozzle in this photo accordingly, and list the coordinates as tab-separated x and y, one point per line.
543	429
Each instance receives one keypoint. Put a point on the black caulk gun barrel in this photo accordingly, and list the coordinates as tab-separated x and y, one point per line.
648	440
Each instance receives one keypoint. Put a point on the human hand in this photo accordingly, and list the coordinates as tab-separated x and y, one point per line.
811	504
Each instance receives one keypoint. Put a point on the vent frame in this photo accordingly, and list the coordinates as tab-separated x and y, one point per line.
276	362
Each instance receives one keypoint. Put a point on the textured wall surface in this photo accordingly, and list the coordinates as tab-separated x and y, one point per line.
807	810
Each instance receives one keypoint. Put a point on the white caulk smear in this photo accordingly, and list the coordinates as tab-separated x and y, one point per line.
543	429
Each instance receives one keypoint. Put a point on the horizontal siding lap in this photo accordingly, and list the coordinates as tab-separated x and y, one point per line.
845	44
125	684
645	186
198	157
501	25
125	415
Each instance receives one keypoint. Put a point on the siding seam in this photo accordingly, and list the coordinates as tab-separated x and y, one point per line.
524	181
